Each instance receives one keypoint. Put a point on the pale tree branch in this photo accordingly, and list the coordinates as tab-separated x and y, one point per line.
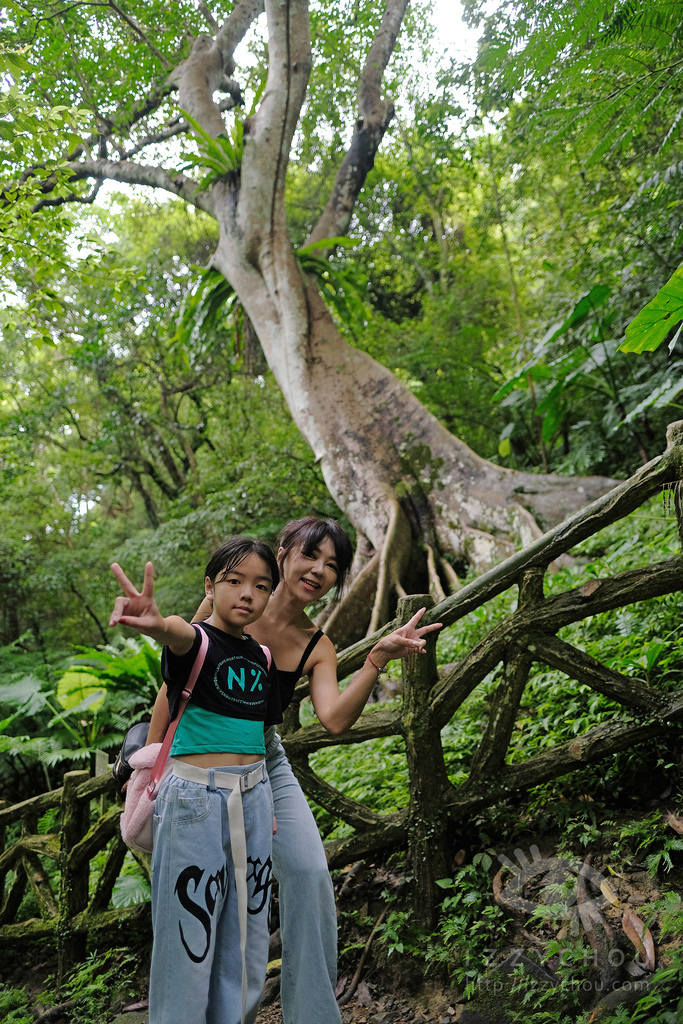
269	133
234	29
208	16
374	115
71	198
130	173
210	63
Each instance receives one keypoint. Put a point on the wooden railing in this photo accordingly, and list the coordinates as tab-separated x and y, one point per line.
527	636
435	804
70	908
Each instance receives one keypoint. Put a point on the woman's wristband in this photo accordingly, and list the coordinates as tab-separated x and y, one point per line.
377	669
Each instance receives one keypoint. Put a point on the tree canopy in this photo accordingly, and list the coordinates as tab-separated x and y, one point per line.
500	247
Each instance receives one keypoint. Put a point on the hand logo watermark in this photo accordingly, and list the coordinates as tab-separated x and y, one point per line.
555	875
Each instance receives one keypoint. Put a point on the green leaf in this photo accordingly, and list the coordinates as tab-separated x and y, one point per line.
648	330
75	687
657	399
581	311
552	421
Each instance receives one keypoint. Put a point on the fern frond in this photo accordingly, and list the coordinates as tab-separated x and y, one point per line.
607	77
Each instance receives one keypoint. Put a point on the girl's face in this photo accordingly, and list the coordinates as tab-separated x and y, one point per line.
310	576
240	596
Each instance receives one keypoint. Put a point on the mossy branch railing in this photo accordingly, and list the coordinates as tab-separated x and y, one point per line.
526	636
76	909
429	702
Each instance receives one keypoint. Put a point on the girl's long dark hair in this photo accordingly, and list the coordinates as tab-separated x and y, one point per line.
308	532
234	551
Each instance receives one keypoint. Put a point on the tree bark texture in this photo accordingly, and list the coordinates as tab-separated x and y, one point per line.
395	470
428	781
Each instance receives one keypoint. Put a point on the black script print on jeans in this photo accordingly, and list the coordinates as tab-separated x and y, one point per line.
215	884
200	901
262	876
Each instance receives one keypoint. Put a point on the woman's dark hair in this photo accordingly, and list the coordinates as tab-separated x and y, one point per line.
234	551
307	533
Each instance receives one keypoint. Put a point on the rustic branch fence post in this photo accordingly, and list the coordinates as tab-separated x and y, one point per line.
427	778
73	893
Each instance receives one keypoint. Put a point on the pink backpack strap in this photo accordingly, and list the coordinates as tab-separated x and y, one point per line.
160	763
269	656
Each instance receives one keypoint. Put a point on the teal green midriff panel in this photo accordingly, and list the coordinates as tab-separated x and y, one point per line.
202	732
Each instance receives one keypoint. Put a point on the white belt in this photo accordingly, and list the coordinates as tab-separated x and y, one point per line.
238	784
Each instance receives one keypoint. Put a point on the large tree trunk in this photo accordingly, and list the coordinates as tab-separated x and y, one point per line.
398	474
394	469
379	447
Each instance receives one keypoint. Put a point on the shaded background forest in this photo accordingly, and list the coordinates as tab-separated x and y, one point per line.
497	260
522	209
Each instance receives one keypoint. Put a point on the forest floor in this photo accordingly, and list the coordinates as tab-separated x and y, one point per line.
369	1009
391	986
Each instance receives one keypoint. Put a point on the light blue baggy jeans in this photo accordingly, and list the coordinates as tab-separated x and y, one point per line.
196	972
308	916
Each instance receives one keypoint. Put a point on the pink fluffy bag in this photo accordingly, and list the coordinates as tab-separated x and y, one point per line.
151	766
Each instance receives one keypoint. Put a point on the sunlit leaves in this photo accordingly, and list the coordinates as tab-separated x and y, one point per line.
658	319
606	77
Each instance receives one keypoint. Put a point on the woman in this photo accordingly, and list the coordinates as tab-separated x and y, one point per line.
314	556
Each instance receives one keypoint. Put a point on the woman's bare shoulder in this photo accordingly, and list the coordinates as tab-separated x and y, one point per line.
324	650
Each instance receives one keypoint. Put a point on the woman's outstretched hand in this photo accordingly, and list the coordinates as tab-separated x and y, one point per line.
404	641
137	609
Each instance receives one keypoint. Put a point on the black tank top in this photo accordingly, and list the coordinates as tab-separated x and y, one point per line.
288	680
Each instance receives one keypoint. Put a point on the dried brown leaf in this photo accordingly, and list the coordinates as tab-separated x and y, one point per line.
363	994
641	938
341	985
609	893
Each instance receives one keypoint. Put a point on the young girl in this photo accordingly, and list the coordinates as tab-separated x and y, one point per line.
314	556
208	967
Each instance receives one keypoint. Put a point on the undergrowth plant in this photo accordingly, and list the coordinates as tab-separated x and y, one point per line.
663	1003
652	837
96	983
86	707
15	1006
471	925
470	928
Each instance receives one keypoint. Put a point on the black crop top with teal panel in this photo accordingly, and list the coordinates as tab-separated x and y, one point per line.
234	680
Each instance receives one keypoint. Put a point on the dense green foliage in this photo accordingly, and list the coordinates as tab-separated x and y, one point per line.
497	265
506	238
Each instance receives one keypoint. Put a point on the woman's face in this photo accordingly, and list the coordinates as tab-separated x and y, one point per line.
310	576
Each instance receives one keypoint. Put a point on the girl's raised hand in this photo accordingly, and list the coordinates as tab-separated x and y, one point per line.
406	640
137	609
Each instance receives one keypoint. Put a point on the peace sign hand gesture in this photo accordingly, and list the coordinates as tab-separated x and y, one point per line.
138	609
404	641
